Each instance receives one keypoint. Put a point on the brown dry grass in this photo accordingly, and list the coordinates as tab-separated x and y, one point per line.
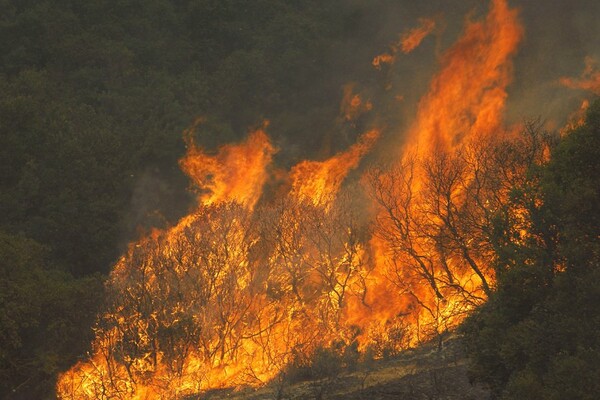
427	373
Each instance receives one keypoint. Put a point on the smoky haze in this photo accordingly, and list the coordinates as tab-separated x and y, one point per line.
559	36
314	259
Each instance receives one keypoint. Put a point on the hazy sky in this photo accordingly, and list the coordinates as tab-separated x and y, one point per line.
559	36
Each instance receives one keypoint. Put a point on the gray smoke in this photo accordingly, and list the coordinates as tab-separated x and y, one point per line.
559	35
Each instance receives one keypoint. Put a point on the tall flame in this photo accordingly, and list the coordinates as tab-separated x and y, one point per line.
467	97
420	255
236	173
240	288
319	181
409	41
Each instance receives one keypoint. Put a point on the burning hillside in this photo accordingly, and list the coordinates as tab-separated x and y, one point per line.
249	283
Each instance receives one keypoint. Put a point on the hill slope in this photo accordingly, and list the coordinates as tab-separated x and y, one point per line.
427	372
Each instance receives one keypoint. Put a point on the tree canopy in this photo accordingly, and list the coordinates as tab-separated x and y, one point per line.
94	97
539	334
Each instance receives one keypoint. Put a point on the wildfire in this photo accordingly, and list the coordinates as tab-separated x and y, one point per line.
236	173
241	287
319	182
409	41
432	265
589	80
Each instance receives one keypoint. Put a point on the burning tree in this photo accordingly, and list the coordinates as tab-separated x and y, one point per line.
245	284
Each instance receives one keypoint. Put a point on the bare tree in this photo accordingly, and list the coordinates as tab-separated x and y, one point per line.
444	217
401	225
448	190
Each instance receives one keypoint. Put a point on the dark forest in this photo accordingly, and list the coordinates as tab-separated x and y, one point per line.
120	119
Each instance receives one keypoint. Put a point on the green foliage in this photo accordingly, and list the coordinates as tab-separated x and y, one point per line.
538	336
94	96
41	310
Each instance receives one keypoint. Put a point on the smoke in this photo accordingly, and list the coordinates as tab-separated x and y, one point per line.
558	37
310	268
155	201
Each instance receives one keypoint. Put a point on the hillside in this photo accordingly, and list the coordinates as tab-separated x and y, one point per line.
282	197
426	372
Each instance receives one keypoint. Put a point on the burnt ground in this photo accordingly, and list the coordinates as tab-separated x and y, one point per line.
427	372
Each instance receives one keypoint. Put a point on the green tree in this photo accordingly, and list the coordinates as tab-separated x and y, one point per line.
94	97
539	335
42	309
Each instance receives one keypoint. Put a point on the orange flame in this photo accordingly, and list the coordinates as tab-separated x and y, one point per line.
589	80
236	173
409	41
240	288
413	38
200	286
466	98
465	101
576	118
319	181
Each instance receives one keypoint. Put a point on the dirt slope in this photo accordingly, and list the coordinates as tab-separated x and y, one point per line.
428	372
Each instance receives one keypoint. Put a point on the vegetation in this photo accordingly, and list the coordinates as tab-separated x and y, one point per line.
538	337
45	315
94	97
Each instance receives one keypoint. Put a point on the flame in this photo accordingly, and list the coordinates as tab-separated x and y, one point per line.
412	39
576	118
408	42
589	80
353	105
242	287
466	98
235	173
164	283
318	181
193	308
415	271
